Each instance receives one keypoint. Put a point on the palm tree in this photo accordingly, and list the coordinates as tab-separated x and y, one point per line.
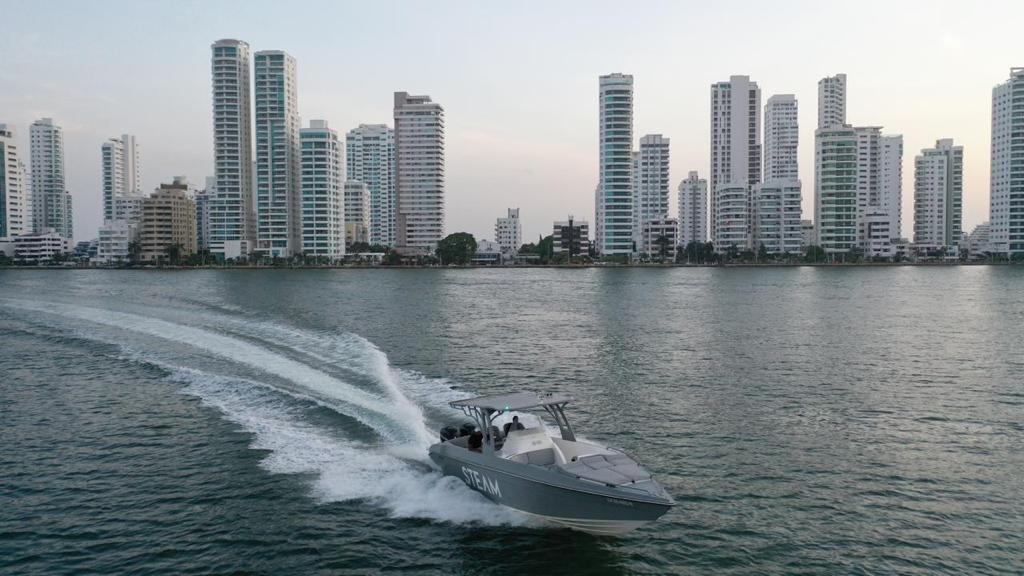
134	252
173	252
663	244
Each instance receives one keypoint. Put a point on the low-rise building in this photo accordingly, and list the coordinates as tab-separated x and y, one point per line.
39	247
979	242
85	250
168	223
7	247
878	235
651	232
571	237
115	241
487	252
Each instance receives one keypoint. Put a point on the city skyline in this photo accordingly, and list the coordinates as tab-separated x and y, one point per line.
508	142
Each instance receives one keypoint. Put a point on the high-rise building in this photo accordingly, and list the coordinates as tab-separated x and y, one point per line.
370	158
323	207
51	202
735	160
693	209
357	212
650	187
1006	194
14	191
419	172
614	206
832	102
858	179
835	185
202	199
938	195
121	171
508	232
781	138
777	201
232	215
879	188
168	223
890	181
278	202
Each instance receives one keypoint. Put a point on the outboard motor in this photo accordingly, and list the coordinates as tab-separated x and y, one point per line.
448	433
467	429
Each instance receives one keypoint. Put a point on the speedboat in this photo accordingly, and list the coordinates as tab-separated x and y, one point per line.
577	484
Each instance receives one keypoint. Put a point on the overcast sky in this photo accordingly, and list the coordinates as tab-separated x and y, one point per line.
518	81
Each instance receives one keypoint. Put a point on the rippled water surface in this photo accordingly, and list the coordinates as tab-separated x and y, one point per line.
839	421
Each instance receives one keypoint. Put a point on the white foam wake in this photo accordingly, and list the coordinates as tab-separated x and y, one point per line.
399	421
343	470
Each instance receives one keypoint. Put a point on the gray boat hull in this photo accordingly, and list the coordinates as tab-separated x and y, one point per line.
553	495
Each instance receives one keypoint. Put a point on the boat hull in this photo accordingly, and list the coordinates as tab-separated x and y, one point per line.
551	495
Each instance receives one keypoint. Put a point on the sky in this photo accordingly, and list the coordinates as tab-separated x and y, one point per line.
518	82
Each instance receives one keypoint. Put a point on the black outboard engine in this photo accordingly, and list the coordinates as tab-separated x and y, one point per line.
467	429
448	433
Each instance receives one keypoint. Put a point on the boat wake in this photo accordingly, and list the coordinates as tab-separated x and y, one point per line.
323	404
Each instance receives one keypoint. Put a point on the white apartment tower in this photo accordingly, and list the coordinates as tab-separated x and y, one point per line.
938	195
419	172
890	182
832	102
14	191
735	159
51	202
650	186
858	179
777	201
508	232
835	186
278	198
232	217
614	197
323	207
693	209
370	158
121	171
1006	193
781	138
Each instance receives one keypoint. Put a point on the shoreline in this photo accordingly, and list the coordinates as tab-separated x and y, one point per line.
524	267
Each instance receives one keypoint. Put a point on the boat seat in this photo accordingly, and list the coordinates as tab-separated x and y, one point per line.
609	469
542	457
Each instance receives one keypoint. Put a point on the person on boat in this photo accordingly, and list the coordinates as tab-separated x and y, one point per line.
515	424
476	441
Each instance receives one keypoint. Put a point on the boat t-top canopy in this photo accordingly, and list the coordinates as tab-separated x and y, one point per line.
484	409
514	401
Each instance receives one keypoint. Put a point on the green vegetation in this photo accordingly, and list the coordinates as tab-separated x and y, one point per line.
457	248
